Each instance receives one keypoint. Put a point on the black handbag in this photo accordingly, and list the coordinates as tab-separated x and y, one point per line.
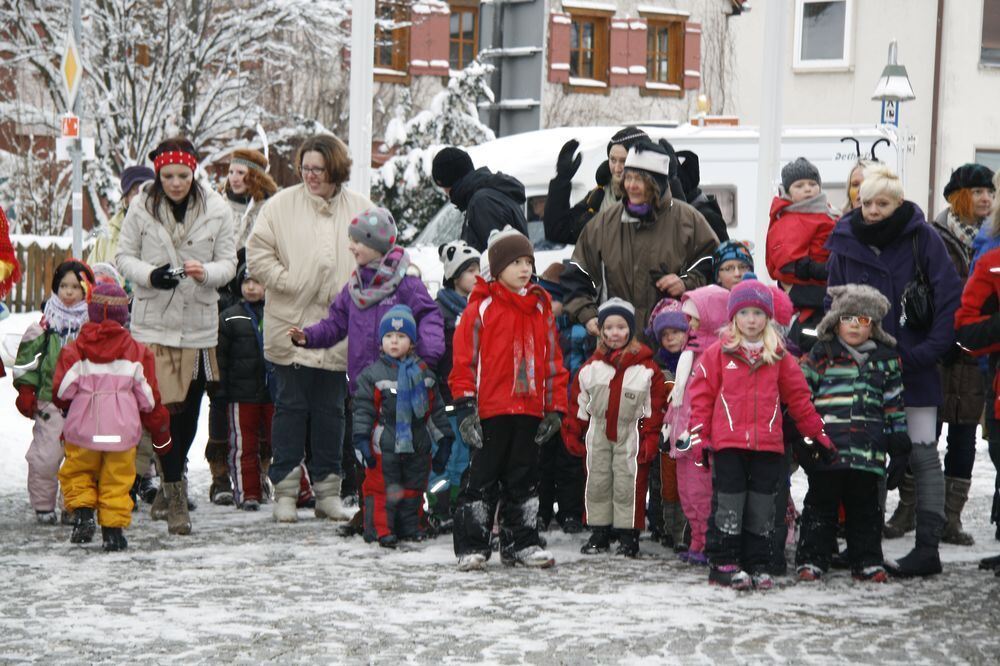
918	299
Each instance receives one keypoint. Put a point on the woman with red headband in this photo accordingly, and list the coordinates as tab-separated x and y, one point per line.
177	247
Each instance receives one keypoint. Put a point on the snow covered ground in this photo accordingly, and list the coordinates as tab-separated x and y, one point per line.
242	589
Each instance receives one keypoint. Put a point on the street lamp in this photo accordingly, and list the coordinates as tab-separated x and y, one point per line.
892	88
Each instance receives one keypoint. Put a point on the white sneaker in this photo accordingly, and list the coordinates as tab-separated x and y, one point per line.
472	562
285	510
535	556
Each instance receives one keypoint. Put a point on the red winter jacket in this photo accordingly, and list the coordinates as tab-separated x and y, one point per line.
793	236
608	377
497	327
738	406
977	320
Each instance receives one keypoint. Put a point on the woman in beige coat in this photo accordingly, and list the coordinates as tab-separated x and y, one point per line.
298	250
177	248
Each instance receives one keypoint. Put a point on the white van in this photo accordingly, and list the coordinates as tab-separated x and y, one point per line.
728	158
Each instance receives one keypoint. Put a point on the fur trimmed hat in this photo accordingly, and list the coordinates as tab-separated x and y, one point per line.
504	247
374	228
855	299
456	257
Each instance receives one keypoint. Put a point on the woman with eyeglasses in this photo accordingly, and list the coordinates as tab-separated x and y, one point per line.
176	249
970	194
887	244
299	251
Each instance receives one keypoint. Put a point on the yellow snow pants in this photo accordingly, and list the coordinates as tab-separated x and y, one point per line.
100	480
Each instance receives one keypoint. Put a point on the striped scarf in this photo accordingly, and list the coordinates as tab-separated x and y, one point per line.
411	398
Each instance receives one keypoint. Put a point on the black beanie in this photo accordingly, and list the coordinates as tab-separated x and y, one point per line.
969	176
450	166
627	137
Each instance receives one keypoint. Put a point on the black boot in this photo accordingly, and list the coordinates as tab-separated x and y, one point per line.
83	526
991	563
628	543
923	560
114	539
599	541
148	490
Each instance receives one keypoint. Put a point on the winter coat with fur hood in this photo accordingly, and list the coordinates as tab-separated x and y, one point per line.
890	271
618	391
499	331
736	403
186	316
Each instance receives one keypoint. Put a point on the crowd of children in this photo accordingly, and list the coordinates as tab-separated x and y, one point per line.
488	397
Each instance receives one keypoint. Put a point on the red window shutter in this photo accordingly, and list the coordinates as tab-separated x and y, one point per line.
637	51
692	56
559	31
618	74
429	35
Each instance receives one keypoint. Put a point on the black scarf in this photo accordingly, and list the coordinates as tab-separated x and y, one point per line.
880	234
238	198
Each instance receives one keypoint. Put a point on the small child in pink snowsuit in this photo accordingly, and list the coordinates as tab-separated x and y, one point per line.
706	309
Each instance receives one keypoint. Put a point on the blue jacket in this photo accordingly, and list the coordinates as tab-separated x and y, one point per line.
890	271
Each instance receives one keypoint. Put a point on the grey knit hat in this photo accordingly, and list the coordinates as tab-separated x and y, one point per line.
800	169
856	299
374	228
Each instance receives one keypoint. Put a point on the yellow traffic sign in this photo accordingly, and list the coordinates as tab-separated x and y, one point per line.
71	69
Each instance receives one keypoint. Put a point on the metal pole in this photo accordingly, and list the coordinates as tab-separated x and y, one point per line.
769	146
362	87
78	149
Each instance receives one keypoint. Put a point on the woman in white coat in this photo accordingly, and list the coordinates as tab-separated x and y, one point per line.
177	247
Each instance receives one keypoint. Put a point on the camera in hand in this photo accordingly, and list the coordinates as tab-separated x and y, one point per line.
178	273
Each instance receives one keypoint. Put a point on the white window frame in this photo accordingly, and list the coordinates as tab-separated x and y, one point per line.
845	63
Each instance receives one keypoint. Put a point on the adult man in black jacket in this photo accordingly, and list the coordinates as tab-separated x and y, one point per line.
489	200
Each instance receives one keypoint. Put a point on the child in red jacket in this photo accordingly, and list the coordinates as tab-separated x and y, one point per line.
801	221
619	396
509	387
739	385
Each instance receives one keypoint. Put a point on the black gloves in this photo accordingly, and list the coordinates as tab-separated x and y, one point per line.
807	269
898	447
548	428
603	174
160	278
440	459
566	165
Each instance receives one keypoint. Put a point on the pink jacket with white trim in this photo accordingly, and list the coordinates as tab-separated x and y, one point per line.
107	381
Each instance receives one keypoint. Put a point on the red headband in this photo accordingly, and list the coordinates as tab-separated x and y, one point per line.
174	157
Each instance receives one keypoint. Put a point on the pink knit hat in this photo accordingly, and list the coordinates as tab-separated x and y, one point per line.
751	293
108	301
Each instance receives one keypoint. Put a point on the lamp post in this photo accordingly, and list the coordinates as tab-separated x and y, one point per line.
892	89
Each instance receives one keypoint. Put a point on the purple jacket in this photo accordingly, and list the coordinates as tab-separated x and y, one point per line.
853	262
361	326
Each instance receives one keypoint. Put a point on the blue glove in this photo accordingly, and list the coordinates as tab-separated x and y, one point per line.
441	456
363	450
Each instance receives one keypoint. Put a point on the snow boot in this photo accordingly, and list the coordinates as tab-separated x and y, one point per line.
147	489
46	517
599	541
991	563
670	510
873	574
67	518
571	525
328	502
923	560
808	573
903	518
730	575
250	505
628	543
388	541
956	494
353	527
533	556
678	528
158	511
286	494
178	519
114	539
221	491
472	562
84	526
762	581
